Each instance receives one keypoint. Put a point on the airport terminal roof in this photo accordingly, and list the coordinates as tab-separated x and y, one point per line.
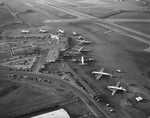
61	113
52	55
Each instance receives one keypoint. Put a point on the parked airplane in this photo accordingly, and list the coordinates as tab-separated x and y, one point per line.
61	31
33	45
100	73
81	38
25	31
74	33
83	41
81	50
42	31
83	60
116	88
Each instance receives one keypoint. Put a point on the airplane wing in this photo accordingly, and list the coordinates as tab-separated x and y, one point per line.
102	70
80	49
98	76
117	85
113	91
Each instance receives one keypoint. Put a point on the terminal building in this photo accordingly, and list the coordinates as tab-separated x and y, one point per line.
61	42
57	44
61	113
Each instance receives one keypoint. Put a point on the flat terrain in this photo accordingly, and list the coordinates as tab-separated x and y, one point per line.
142	27
132	15
29	97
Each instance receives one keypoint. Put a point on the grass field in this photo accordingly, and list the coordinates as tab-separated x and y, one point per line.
5	14
126	42
96	12
142	27
23	97
132	15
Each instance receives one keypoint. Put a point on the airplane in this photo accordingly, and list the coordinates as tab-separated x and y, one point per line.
116	88
74	33
33	45
61	31
100	73
83	41
83	60
78	51
25	31
81	38
42	31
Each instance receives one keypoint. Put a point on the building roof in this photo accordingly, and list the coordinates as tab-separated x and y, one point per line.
61	113
52	55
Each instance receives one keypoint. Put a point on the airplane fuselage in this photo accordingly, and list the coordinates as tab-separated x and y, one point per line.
102	73
116	88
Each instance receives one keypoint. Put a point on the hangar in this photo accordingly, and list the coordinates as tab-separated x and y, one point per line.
61	113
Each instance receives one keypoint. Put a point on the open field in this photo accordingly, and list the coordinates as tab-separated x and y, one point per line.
12	26
96	12
132	15
126	42
20	97
6	17
37	12
139	26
